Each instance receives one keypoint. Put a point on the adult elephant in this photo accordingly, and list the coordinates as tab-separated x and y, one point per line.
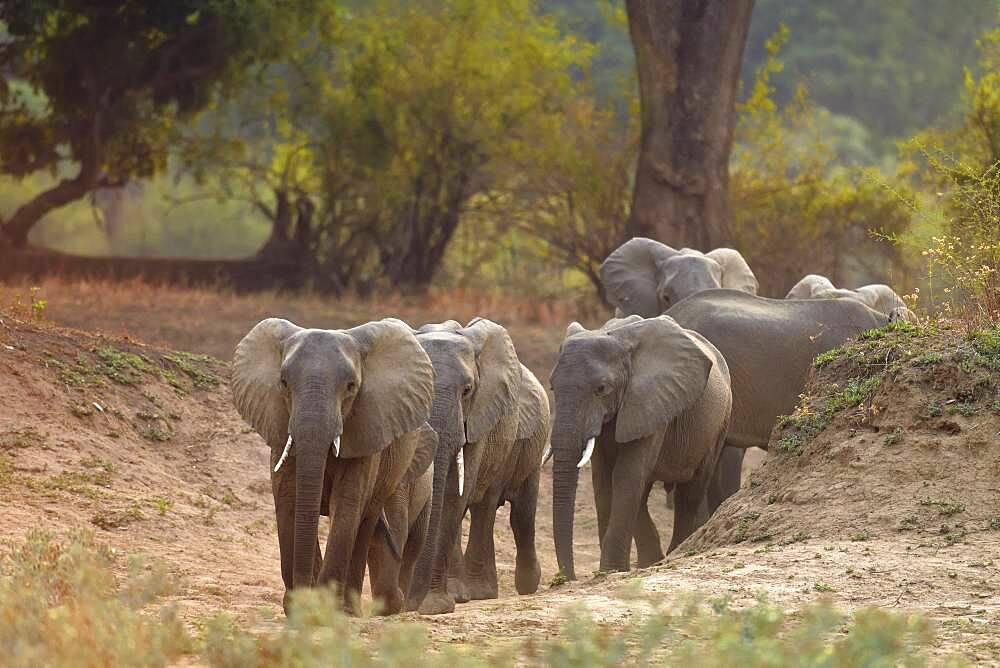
492	420
877	296
645	277
770	345
649	401
344	413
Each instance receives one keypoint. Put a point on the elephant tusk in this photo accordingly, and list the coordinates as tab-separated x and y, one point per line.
587	452
336	447
460	462
548	454
284	454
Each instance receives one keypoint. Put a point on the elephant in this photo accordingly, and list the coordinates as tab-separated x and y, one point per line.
391	561
876	296
644	400
645	277
492	419
345	415
770	345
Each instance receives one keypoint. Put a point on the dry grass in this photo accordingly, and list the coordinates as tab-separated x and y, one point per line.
212	321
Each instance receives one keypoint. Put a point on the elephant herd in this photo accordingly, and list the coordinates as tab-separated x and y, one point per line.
397	433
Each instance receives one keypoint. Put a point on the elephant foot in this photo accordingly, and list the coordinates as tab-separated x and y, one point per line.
527	577
437	603
390	603
286	601
481	588
459	590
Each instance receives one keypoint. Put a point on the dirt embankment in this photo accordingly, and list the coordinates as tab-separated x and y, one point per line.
883	489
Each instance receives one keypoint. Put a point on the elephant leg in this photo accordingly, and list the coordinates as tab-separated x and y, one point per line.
628	482
601	465
647	538
480	557
691	508
383	566
726	480
414	546
523	504
346	506
457	581
356	569
283	490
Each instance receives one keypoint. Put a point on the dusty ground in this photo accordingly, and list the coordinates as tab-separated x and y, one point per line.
166	468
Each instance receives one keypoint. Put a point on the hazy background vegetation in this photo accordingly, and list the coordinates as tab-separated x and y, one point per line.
491	145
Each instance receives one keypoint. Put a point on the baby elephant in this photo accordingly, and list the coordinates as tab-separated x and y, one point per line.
878	297
392	558
645	401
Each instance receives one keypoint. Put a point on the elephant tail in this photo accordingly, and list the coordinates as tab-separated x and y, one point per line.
390	540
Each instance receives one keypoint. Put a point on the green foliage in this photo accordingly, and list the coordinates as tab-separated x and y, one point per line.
796	209
63	606
894	66
101	85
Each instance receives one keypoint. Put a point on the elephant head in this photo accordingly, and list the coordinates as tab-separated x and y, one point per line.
810	287
317	393
476	384
645	277
620	383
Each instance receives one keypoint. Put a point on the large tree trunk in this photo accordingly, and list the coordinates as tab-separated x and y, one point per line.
688	55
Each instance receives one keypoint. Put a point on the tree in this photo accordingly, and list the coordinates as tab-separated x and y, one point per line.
94	87
688	55
419	109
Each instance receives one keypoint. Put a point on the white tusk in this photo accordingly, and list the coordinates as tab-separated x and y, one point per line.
284	454
587	452
336	447
460	462
548	454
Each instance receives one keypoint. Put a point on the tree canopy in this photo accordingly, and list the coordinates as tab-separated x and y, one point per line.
96	86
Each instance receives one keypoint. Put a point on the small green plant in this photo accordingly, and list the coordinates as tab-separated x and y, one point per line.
995	524
908	523
859	536
744	525
945	508
123	367
790	443
927	359
559	579
823	587
81	410
191	365
114	519
894	437
933	408
162	504
23	437
963	408
828	356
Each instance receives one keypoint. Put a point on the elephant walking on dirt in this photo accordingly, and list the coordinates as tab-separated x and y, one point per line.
344	413
391	561
491	416
645	401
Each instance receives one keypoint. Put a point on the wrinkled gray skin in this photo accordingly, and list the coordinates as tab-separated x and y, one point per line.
491	408
657	400
407	513
769	345
645	277
367	390
877	296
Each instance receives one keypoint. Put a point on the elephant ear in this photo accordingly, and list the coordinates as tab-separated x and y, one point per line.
736	273
446	326
397	387
809	286
427	442
532	405
574	328
669	371
618	322
631	278
256	379
499	378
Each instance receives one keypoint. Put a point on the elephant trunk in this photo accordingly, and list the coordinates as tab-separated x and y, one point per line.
312	437
446	420
565	474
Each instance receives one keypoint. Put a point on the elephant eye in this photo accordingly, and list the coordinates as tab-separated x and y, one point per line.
467	390
601	390
351	386
284	383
